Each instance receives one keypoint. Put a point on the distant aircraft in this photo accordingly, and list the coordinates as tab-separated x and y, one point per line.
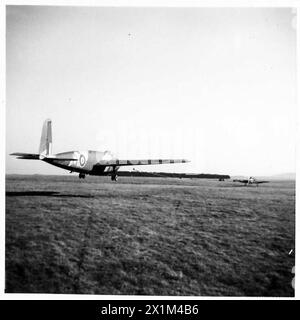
95	163
251	180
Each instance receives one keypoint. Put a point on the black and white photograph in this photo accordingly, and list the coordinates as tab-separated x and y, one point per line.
150	150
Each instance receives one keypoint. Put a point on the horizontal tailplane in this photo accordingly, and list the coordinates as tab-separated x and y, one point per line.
26	156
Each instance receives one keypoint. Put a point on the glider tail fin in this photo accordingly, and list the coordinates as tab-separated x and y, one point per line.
46	139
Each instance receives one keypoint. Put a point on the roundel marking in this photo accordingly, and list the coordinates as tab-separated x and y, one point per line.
82	160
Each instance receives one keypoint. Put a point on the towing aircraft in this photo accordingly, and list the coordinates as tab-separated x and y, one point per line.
97	163
249	181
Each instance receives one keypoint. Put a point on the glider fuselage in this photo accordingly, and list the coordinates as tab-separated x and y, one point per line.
88	162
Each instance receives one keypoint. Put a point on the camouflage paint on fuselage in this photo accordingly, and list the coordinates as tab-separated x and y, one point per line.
88	162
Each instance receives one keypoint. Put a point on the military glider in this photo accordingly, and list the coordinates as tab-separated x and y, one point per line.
249	181
97	163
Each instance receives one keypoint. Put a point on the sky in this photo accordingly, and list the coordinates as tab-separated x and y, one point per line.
214	85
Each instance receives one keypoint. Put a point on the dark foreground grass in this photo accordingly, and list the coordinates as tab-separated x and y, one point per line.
149	236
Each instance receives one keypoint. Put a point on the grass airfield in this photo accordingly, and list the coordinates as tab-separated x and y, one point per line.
148	236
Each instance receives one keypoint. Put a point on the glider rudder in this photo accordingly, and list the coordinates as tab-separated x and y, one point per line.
46	138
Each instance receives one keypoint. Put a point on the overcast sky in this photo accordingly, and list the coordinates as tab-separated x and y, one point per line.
216	86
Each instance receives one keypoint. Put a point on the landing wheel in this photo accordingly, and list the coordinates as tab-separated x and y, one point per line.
114	177
81	175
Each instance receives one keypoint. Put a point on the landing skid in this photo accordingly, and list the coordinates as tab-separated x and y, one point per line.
81	175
